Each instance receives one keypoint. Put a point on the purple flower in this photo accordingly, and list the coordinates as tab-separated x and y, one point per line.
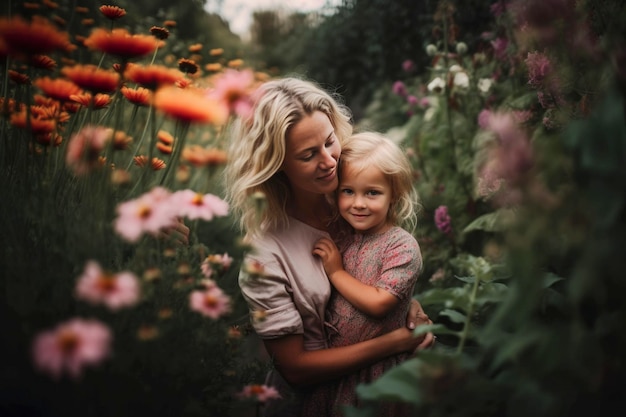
408	65
443	220
399	88
538	66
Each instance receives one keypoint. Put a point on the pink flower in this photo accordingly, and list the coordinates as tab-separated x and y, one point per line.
399	89
194	205
499	47
483	118
71	346
222	261
114	291
408	65
234	88
443	220
261	393
149	213
539	67
512	156
210	302
84	149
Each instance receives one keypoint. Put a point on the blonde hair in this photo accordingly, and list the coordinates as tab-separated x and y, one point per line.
257	149
367	149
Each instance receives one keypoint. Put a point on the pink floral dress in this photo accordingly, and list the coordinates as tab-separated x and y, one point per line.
391	261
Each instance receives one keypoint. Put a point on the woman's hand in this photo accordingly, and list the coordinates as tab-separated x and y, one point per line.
177	234
417	317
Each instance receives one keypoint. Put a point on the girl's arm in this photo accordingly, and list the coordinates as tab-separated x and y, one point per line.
304	367
373	301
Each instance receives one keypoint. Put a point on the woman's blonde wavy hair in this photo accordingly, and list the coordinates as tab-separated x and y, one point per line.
372	149
257	149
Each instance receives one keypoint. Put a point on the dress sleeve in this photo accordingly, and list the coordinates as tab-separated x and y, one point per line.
402	263
273	312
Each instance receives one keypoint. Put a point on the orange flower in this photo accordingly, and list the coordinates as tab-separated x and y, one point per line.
49	139
92	78
112	12
18	77
159	32
198	156
164	149
43	62
88	22
50	4
165	137
121	140
169	23
99	101
59	21
190	106
81	10
216	51
187	66
38	36
58	89
235	63
37	126
196	47
156	164
121	43
152	76
139	96
213	67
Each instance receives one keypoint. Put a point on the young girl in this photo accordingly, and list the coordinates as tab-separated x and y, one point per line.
381	261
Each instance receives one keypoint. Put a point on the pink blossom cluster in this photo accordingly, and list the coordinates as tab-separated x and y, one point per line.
539	67
71	346
443	221
160	209
261	393
222	262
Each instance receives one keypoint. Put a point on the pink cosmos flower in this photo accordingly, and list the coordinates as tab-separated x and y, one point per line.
115	291
210	302
222	261
443	220
261	393
84	149
194	205
234	88
71	346
148	213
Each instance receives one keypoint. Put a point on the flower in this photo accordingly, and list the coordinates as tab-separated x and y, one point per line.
120	42
160	32
112	12
86	100
261	393
188	66
194	205
539	67
199	156
399	88
149	213
437	85
156	164
152	76
233	88
210	302
222	261
484	85
461	80
113	290
71	346
92	78
84	148
39	36
443	220
58	89
189	105
139	96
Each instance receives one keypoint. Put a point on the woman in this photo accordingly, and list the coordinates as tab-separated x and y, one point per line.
287	151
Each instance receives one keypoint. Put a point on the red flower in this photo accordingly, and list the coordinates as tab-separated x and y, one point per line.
190	106
121	43
92	78
152	76
58	89
139	96
112	12
31	38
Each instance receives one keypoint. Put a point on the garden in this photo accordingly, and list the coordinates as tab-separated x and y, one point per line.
113	135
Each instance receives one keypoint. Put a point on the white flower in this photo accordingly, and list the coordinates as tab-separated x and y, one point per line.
455	68
484	84
461	80
437	85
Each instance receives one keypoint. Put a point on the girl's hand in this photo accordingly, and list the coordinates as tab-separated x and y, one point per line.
329	254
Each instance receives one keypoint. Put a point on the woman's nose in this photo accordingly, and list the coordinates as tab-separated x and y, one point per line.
328	160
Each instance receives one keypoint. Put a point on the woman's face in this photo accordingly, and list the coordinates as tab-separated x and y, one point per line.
312	152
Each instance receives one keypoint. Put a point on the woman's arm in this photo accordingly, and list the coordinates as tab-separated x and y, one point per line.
305	367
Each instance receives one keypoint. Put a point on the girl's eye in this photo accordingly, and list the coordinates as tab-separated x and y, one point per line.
346	191
373	192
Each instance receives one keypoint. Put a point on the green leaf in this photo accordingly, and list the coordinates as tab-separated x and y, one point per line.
453	315
498	221
398	384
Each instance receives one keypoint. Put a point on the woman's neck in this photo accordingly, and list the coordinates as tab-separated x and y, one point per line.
313	210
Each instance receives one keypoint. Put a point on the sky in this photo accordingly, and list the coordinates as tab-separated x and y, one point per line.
238	13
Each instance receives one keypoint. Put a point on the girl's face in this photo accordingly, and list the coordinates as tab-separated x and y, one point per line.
364	199
312	152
